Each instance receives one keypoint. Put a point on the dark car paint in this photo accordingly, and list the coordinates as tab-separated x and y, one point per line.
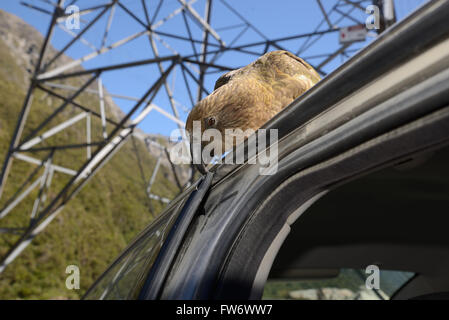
236	195
201	269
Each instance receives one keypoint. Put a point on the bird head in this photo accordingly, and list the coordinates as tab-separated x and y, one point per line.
209	120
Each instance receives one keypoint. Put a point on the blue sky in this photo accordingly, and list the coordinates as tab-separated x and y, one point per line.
275	19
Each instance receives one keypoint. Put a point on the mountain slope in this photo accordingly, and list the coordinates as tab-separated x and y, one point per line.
99	222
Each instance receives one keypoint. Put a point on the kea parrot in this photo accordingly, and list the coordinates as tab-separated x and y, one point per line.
248	97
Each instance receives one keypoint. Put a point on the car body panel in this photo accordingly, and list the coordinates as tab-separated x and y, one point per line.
394	92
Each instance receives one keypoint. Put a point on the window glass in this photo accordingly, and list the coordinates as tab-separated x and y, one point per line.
350	284
125	277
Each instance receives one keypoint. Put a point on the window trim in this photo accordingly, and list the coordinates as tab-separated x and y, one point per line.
159	271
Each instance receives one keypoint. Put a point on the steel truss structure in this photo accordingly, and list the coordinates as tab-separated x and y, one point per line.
208	48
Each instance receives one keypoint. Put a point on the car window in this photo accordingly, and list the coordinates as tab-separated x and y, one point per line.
125	277
350	284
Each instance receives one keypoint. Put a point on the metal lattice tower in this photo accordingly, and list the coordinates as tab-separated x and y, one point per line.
65	81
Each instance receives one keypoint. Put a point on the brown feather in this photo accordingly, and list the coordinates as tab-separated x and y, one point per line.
248	97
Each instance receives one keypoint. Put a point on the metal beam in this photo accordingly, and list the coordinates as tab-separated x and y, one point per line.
201	62
108	68
32	142
58	110
71	42
334	55
70	88
203	57
204	22
27	103
84	174
320	5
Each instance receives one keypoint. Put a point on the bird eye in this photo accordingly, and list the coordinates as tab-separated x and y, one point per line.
210	121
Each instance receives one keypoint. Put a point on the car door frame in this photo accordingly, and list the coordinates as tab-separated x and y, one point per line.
227	248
